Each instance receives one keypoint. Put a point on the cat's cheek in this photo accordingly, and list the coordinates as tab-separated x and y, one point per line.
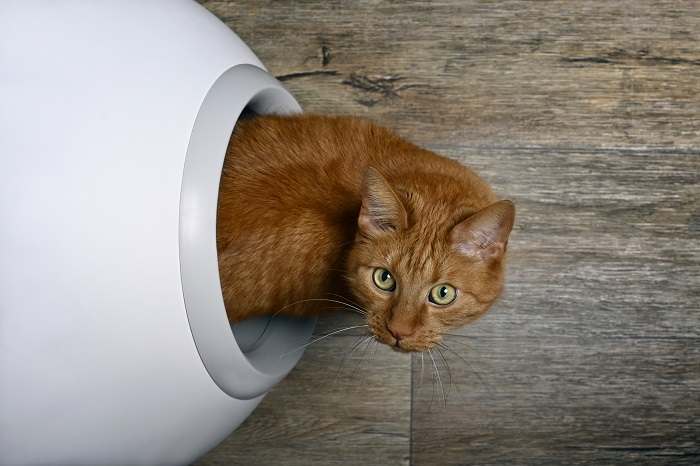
454	317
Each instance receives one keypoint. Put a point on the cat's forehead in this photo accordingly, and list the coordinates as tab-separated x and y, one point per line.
420	258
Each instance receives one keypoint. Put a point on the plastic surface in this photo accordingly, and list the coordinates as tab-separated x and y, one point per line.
98	364
241	376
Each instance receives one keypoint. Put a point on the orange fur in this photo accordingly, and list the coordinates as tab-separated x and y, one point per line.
293	192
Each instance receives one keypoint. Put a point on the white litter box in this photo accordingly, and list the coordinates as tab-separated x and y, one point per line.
114	343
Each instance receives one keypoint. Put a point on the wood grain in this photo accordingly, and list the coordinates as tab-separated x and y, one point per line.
562	400
611	74
587	114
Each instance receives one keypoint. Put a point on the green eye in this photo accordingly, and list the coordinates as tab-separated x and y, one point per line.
442	295
383	279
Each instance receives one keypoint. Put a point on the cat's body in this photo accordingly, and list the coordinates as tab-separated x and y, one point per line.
290	196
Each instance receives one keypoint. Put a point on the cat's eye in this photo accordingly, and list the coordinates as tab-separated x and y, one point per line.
383	279
442	295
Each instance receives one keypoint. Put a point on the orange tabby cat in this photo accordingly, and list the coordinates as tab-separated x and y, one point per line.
311	207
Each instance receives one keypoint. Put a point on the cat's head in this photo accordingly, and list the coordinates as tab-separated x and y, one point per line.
420	269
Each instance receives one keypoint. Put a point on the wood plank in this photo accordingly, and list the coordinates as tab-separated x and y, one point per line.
563	400
322	414
612	74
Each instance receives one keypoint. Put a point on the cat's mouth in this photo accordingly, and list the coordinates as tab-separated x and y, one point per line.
390	341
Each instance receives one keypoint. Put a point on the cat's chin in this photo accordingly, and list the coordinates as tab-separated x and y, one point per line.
406	349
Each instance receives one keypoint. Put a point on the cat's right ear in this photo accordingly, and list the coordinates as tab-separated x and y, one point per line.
484	235
382	211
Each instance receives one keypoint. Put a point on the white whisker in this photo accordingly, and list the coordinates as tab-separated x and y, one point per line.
323	337
449	370
350	303
310	300
359	342
437	372
422	364
443	345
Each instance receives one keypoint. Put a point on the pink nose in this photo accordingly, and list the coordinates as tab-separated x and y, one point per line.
401	329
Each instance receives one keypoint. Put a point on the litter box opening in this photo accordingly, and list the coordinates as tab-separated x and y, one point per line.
246	359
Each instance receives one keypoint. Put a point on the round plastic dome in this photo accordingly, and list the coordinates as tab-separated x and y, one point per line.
114	342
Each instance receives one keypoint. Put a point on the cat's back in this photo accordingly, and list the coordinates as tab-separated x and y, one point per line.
288	201
301	155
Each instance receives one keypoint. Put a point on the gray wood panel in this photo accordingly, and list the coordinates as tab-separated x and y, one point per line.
620	73
587	114
562	400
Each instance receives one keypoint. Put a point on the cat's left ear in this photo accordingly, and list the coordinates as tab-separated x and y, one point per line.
382	210
484	235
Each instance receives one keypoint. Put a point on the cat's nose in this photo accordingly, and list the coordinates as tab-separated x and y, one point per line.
401	329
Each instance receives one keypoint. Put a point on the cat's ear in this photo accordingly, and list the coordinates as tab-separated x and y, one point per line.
382	210
484	235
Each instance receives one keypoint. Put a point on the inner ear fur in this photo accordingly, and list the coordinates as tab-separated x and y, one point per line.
484	235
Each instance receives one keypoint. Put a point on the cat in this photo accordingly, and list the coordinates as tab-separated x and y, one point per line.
316	207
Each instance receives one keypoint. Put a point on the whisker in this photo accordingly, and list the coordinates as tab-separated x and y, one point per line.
323	337
432	396
347	307
360	340
344	308
350	303
462	342
364	353
449	371
308	300
443	345
340	296
374	350
420	382
358	311
456	385
352	309
437	372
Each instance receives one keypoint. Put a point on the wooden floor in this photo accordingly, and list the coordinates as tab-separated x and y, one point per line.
587	115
